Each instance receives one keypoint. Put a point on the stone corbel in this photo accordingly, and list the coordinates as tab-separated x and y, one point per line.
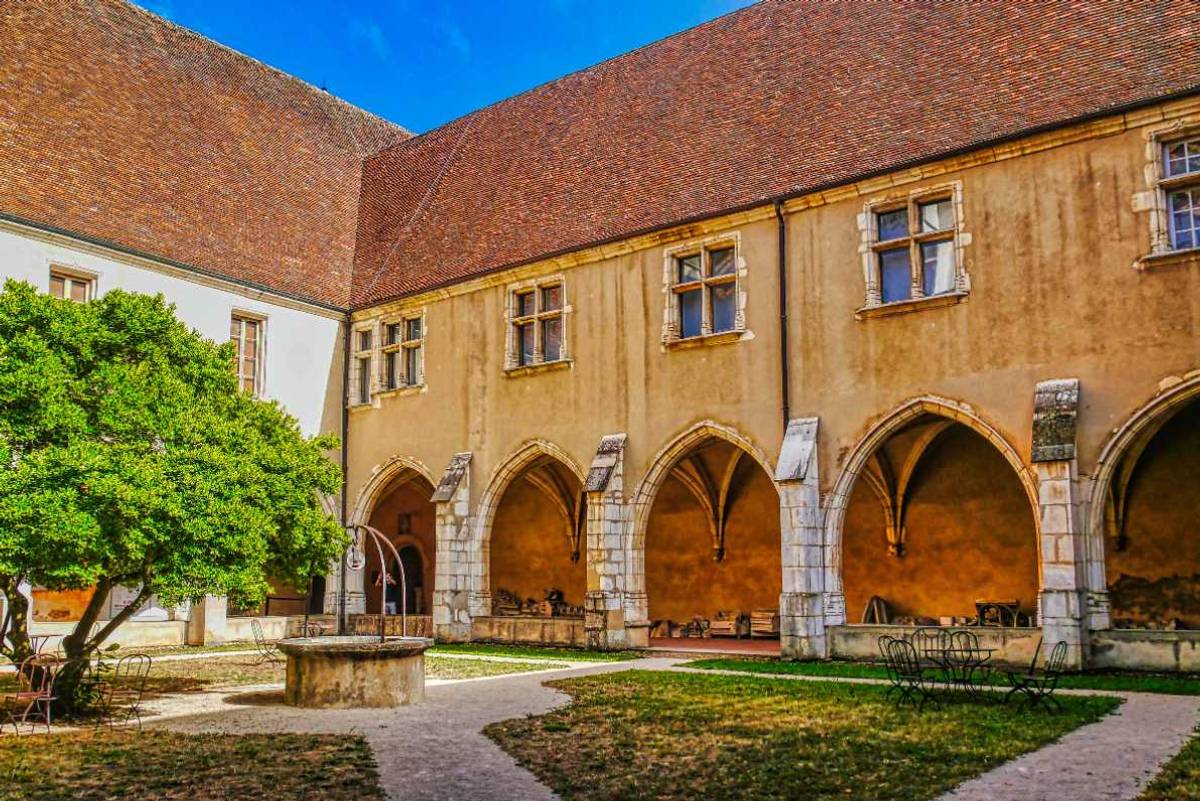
891	486
572	508
715	496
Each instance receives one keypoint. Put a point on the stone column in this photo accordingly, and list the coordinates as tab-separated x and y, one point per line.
1062	600
802	602
356	595
608	525
453	575
206	623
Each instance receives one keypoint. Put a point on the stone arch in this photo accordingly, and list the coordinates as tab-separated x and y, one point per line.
1122	450
876	436
643	498
668	456
501	479
381	483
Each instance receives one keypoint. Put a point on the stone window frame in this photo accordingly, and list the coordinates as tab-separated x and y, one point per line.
72	276
671	330
395	352
242	318
1154	198
362	391
512	320
870	247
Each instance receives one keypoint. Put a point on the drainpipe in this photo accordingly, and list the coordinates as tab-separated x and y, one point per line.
341	625
785	382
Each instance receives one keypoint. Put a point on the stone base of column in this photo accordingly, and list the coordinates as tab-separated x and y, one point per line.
452	615
1099	611
604	622
1062	615
356	602
802	626
207	621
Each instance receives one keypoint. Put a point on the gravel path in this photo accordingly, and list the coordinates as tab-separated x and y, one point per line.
1110	760
431	751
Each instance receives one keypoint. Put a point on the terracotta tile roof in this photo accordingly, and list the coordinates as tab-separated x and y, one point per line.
780	98
120	126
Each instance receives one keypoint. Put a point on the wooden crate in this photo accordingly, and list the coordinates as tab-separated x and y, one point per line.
764	623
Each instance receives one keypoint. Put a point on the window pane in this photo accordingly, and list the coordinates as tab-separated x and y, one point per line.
895	276
79	290
251	331
391	333
722	261
58	286
937	265
525	344
524	304
724	306
689	269
937	216
412	366
552	297
552	339
412	329
1182	157
893	224
390	379
364	340
1185	218
364	381
691	311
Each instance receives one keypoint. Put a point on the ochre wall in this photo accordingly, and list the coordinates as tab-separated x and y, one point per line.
410	498
682	579
62	605
970	534
1156	578
529	550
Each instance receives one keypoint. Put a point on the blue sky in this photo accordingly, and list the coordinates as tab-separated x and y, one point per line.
421	64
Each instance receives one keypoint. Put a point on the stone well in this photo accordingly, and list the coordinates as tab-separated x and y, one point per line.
349	672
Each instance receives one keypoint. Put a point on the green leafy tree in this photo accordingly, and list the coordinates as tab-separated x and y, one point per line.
128	457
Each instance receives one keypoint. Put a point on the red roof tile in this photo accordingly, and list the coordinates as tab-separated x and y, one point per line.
120	126
780	98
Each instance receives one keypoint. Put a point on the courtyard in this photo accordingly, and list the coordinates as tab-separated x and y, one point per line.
539	723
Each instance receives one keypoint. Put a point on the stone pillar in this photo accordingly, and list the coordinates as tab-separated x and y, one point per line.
802	602
1062	602
453	573
356	595
206	623
608	524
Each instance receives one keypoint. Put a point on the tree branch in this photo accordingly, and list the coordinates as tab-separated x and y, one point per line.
129	611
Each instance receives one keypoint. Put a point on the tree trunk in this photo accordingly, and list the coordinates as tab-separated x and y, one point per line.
14	636
74	693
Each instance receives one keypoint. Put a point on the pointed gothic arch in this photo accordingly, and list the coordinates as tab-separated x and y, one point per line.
927	421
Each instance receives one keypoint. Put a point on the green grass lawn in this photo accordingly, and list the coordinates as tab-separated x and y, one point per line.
640	735
1185	684
534	652
101	766
1180	779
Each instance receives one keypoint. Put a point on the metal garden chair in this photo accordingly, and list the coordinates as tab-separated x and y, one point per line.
266	651
34	693
1038	685
911	678
931	642
121	691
